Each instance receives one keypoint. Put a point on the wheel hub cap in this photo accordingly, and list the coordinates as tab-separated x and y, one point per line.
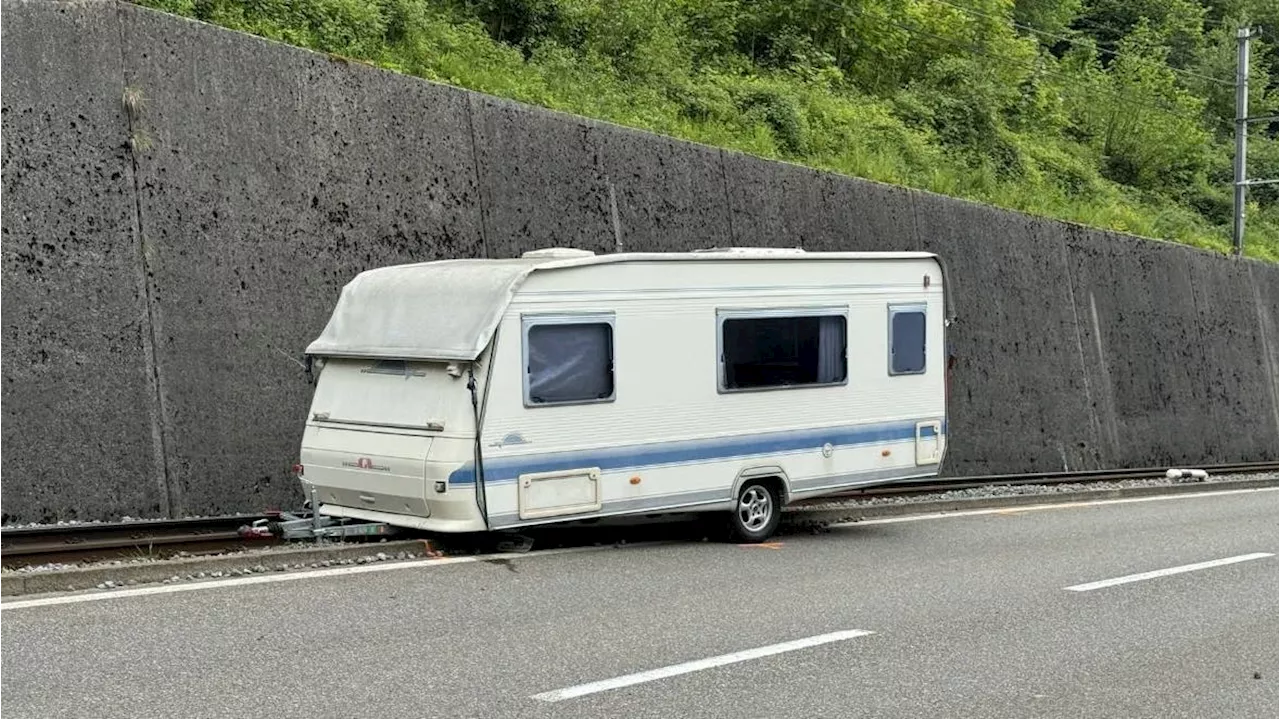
755	508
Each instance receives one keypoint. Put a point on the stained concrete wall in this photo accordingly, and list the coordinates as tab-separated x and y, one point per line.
80	424
1019	393
158	296
262	194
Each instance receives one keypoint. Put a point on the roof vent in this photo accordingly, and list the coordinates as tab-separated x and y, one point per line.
558	253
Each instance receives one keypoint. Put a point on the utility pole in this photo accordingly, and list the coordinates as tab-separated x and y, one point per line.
1242	183
1242	131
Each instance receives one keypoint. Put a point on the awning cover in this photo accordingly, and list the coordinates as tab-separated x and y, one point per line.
444	310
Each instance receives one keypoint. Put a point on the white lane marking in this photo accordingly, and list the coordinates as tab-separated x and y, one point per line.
697	665
1057	505
292	576
1101	584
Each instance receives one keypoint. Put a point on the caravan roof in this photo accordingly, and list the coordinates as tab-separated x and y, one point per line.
448	309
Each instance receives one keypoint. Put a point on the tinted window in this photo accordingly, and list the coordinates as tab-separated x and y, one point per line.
570	362
783	351
906	345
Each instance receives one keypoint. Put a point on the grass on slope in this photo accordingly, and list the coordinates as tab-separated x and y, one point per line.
811	117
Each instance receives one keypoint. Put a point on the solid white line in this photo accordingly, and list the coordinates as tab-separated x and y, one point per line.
361	569
291	576
1016	509
698	665
1102	584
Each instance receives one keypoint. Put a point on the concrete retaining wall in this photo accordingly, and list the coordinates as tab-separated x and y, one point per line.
165	261
261	195
80	424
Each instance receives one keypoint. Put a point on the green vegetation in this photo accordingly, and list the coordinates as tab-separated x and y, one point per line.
1111	113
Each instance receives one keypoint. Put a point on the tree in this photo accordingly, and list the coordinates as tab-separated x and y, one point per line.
1149	127
1177	24
1050	16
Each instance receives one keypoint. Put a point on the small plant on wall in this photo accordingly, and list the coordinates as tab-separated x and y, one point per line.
134	103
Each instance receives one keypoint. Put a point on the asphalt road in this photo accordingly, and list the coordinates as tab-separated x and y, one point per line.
967	617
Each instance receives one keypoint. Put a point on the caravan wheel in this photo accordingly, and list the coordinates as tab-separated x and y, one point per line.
756	513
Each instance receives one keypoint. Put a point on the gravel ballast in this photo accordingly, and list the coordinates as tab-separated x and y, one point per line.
120	574
819	515
993	491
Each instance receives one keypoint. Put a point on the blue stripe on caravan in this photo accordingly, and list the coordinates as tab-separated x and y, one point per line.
506	469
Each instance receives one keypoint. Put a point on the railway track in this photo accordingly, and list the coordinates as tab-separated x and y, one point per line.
74	543
951	484
70	543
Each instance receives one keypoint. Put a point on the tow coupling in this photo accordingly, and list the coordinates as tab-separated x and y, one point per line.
312	525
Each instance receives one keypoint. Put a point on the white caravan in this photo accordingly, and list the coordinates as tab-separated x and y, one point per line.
733	381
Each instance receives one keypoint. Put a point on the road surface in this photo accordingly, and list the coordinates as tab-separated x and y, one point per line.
1163	608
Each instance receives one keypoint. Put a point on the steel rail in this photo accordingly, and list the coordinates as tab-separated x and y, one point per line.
948	484
167	535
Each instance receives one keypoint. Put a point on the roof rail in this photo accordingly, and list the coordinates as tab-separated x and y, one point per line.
564	252
755	250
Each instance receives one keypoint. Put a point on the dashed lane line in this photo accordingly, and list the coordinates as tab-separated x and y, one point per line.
697	665
1155	574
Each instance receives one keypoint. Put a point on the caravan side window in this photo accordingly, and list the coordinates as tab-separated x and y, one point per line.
906	339
781	348
568	359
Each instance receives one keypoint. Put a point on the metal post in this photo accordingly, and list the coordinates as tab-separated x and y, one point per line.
315	513
1242	129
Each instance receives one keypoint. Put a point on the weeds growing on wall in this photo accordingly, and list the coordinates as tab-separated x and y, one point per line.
1112	113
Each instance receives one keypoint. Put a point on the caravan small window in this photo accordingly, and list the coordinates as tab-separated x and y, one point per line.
782	350
568	361
906	340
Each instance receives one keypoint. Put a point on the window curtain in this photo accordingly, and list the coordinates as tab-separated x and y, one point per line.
569	363
830	349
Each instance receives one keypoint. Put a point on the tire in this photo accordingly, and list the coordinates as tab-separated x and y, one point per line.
756	512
